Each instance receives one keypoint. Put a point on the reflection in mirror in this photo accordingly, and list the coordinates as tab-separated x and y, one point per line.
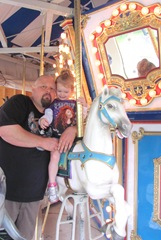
125	51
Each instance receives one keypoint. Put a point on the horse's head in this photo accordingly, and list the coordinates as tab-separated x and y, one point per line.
111	111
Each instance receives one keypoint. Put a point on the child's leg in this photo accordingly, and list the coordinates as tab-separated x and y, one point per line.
53	169
53	166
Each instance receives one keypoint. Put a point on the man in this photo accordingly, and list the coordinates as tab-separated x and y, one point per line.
24	153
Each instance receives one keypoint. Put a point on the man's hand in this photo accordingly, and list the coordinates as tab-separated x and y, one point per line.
67	139
49	144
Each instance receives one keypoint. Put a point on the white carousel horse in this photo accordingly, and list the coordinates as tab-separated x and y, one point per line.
93	166
5	220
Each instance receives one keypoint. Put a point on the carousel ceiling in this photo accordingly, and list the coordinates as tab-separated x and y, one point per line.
22	23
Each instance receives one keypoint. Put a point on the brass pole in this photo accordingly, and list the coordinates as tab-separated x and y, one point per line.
42	50
78	65
24	76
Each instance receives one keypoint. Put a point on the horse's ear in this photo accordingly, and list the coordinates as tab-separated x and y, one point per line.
105	91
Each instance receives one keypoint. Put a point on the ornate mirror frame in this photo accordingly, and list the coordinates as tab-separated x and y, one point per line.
126	18
157	191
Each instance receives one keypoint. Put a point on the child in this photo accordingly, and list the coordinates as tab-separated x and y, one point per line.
61	114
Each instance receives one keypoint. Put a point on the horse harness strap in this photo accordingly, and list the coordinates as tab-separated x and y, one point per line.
87	154
104	111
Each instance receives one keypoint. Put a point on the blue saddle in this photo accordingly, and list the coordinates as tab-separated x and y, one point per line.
86	155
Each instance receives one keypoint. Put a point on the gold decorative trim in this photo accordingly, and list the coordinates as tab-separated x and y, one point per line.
157	193
133	236
137	135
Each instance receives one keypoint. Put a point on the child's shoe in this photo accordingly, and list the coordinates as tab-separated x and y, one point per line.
52	193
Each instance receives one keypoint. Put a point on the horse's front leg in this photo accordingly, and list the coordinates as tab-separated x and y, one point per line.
62	194
122	210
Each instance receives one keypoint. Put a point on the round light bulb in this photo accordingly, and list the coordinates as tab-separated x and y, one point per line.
152	93
145	10
123	7
97	62
143	101
63	35
107	23
115	12
91	37
100	75
132	101
70	62
94	49
98	29
132	6
54	65
108	209
157	10
123	95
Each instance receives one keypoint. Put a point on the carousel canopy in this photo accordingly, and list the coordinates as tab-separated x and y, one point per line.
21	27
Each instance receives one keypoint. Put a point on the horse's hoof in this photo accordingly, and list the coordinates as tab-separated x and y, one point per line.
114	235
69	218
106	227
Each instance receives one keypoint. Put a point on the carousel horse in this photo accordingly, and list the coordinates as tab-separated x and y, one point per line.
93	167
5	220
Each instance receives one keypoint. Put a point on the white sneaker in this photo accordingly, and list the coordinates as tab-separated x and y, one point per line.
52	193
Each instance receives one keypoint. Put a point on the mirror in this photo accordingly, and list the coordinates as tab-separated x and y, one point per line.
127	50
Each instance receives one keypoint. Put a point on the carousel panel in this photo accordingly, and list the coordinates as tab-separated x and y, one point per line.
143	181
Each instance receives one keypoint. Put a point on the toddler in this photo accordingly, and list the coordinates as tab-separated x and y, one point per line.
61	114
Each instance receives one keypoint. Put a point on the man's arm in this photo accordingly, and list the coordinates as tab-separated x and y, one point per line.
16	135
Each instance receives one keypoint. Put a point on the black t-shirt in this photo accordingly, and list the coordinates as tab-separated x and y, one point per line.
26	169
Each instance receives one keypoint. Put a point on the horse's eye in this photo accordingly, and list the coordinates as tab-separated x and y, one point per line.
109	105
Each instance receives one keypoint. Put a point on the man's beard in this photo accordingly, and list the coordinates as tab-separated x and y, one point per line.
46	100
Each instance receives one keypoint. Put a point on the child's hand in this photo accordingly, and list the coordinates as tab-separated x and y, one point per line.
82	101
44	123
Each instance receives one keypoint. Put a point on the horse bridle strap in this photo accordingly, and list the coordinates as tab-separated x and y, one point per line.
104	111
87	155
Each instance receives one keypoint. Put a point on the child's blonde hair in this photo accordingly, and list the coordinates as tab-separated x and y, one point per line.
66	78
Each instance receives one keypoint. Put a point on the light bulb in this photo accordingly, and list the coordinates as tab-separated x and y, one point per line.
143	101
91	37
107	23
152	93
145	10
94	49
132	6
132	101
157	11
108	209
99	29
115	12
123	7
63	35
97	62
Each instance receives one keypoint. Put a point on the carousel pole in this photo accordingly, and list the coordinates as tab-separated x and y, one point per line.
24	76
41	72
78	74
78	65
42	48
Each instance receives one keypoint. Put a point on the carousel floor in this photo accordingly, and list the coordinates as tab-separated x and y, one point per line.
49	232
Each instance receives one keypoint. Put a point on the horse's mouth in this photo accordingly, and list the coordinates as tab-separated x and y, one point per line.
120	134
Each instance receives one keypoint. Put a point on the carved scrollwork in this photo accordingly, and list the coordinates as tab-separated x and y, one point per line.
137	135
134	236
